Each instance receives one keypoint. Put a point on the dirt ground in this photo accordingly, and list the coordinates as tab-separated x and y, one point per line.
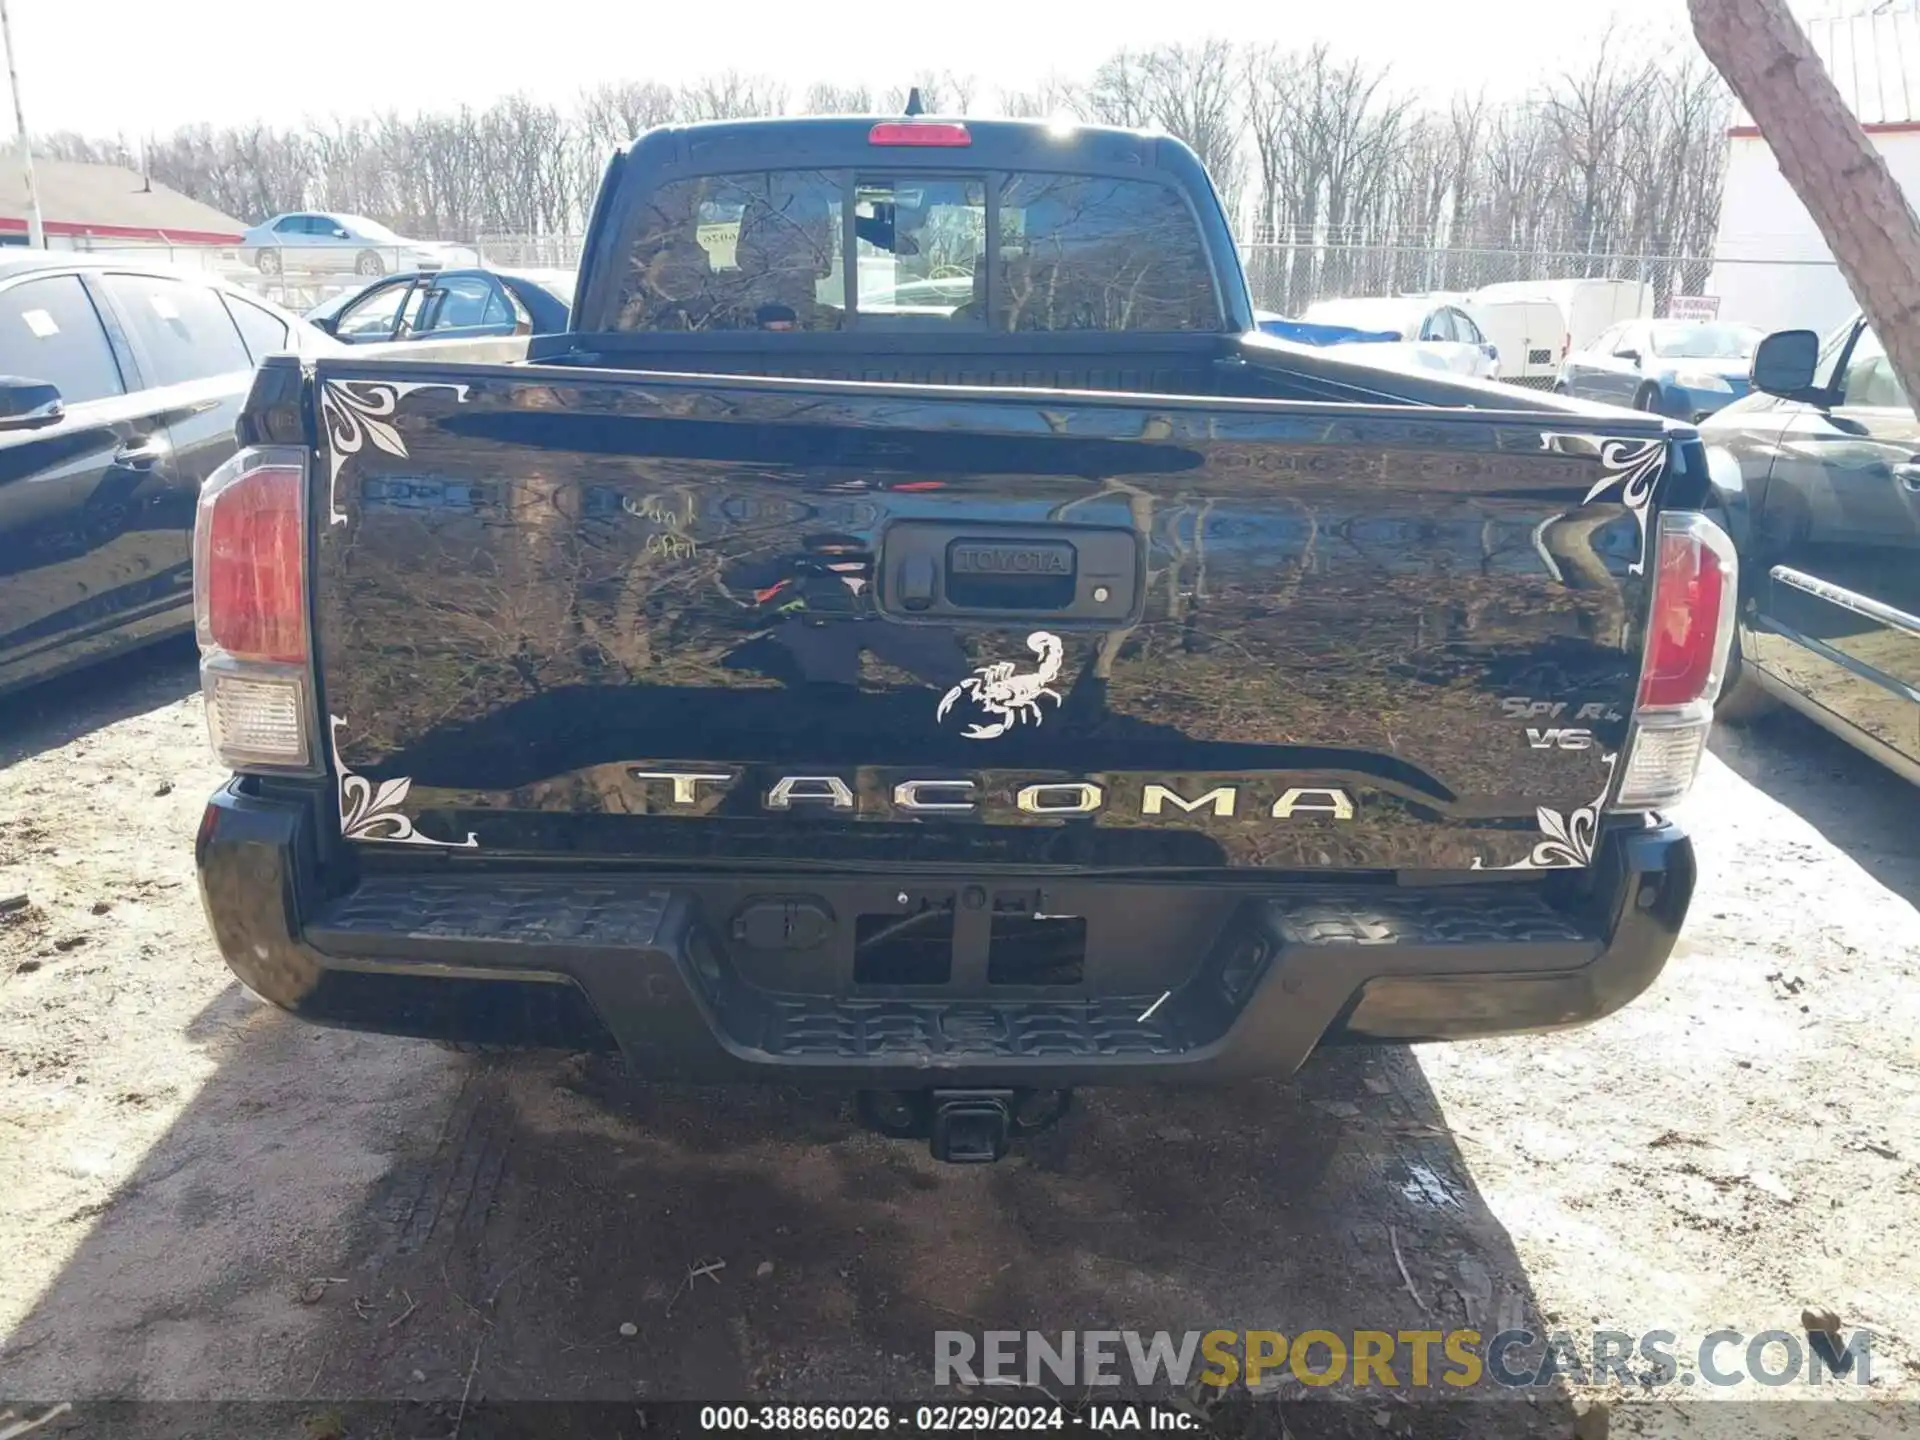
200	1200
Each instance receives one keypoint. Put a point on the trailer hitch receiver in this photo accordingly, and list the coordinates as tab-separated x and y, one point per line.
971	1127
962	1127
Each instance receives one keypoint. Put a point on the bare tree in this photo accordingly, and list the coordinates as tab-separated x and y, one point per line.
731	96
1120	93
1341	134
1826	157
1466	122
824	98
1269	75
1357	188
615	113
1514	180
941	93
1053	96
67	145
1590	114
1193	93
1686	183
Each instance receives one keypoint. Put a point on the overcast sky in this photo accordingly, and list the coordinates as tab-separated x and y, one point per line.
145	66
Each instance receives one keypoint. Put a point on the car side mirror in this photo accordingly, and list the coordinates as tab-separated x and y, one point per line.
340	234
1784	362
327	324
1630	356
28	404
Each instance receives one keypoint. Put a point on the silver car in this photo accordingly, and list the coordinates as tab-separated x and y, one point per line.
315	242
1686	369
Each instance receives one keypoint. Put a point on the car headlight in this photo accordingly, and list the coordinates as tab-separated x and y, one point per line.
1700	380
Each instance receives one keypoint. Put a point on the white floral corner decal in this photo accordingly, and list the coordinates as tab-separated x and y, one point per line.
370	813
1634	465
358	413
1569	839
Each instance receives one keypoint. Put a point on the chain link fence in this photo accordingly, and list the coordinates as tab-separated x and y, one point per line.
531	252
1287	278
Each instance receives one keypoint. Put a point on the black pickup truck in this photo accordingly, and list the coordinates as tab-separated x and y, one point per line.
912	634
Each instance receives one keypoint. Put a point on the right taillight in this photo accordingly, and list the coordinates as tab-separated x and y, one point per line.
1691	618
1689	636
249	601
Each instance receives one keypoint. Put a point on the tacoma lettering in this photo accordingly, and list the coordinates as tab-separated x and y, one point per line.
1154	796
951	795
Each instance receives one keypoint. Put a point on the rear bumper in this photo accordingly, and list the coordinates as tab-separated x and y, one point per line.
636	963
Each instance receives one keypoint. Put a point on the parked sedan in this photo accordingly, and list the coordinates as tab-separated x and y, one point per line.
119	387
1818	474
1418	331
1684	368
311	242
450	305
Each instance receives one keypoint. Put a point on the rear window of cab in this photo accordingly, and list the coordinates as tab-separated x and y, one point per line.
811	250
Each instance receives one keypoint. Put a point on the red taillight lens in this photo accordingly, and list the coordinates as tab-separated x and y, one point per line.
249	562
918	132
1690	625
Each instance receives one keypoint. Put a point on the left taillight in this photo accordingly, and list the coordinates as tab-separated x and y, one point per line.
1689	637
249	603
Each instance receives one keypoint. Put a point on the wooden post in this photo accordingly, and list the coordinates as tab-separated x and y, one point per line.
1827	158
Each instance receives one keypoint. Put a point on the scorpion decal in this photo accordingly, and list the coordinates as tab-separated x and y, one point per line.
1008	697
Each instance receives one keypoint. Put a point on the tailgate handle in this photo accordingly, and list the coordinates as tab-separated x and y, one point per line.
916	582
1060	573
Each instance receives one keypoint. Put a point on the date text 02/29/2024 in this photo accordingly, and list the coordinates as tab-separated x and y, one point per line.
966	1419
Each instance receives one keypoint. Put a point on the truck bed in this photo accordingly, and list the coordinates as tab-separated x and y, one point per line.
1252	366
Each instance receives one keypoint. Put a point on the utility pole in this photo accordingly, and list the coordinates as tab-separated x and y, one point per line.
36	231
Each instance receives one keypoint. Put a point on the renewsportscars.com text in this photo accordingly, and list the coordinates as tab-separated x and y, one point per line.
1455	1359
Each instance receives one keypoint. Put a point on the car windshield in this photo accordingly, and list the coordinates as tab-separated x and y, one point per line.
1705	342
331	307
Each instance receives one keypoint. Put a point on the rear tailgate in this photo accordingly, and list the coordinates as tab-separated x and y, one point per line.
724	620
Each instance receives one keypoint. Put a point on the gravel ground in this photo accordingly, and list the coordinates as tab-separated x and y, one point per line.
205	1201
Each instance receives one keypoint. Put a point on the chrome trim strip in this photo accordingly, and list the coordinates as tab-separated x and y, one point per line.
1875	749
1837	658
1847	599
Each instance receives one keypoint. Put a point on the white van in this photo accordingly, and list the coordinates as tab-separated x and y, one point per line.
1529	333
1586	308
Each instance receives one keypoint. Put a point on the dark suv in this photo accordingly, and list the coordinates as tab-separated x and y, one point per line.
1819	474
119	387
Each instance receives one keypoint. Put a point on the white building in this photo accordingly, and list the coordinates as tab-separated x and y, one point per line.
1771	268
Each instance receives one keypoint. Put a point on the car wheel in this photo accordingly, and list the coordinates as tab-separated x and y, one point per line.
1741	699
1648	399
268	259
368	263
